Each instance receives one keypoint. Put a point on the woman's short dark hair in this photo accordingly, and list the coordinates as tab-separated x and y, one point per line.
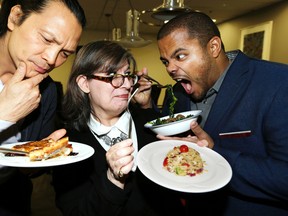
36	6
94	57
197	24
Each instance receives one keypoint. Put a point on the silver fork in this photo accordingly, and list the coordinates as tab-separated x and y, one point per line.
13	151
159	85
119	139
130	120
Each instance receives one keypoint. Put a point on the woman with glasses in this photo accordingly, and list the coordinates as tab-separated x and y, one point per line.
96	113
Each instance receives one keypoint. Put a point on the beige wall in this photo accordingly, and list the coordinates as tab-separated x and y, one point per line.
149	56
231	31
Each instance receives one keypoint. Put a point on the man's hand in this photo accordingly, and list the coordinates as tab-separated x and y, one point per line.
20	96
58	134
35	172
201	138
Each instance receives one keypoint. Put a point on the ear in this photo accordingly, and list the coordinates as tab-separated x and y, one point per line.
14	17
82	82
215	46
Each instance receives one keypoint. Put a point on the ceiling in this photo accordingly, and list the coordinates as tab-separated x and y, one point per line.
103	15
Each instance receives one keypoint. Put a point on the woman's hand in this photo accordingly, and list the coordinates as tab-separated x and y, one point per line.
143	96
120	161
201	138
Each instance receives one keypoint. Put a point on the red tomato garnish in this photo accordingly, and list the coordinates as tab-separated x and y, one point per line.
185	164
184	148
165	162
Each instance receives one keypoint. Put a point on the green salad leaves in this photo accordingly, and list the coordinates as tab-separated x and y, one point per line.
173	102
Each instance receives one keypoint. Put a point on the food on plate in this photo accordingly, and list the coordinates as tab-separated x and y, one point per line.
170	119
45	149
183	160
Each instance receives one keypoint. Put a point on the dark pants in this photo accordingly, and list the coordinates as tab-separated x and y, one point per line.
15	195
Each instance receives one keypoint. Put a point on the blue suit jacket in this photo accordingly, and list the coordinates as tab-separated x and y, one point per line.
253	96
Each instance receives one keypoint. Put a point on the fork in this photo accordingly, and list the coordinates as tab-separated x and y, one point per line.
12	151
159	85
130	120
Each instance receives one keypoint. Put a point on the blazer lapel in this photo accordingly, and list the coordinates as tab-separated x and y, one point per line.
234	83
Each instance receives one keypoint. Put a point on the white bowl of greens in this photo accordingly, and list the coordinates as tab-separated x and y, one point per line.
175	124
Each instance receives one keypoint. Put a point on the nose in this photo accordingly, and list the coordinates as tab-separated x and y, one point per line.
171	68
51	55
127	82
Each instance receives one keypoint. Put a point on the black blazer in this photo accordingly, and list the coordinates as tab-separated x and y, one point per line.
41	122
17	188
83	188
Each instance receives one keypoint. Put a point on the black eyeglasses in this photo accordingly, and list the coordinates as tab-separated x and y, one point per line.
116	80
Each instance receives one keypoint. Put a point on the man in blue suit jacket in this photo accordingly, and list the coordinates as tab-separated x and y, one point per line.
237	94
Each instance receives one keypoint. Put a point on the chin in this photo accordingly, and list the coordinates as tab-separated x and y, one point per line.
121	107
197	98
32	74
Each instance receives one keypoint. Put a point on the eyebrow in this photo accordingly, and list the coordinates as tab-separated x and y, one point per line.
173	54
58	42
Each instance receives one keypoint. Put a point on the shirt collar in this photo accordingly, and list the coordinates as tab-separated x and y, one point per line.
215	88
122	124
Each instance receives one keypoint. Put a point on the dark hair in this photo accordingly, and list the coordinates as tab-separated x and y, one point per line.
94	57
198	25
36	6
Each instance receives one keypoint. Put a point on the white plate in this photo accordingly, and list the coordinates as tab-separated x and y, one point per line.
84	151
217	171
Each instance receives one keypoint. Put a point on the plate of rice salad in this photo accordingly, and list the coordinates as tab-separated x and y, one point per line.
184	166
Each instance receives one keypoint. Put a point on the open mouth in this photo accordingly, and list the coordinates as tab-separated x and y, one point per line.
186	84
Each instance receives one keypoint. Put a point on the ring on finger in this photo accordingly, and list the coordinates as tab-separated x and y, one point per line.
120	174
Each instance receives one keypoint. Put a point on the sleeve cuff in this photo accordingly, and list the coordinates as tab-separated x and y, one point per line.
5	124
